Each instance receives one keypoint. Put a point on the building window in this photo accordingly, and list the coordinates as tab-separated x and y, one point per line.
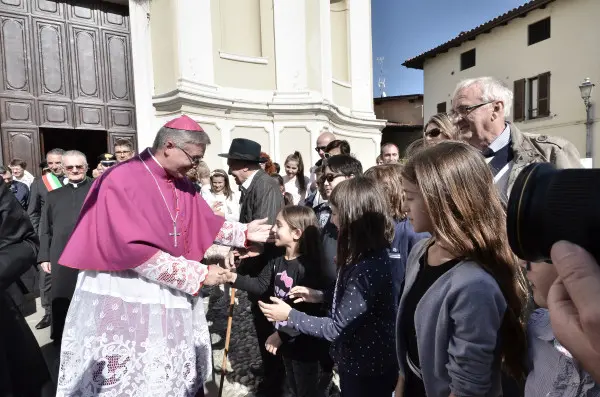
467	59
538	31
441	107
340	46
532	97
241	27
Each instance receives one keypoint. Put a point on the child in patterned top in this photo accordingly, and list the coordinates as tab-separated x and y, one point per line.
361	322
296	229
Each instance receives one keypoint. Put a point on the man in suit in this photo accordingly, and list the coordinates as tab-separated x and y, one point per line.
23	371
39	190
261	198
59	216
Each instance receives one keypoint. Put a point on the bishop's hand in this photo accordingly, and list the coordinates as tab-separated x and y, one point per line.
259	231
216	275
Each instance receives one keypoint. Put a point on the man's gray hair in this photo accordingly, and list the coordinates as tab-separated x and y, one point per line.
179	137
55	152
492	89
74	153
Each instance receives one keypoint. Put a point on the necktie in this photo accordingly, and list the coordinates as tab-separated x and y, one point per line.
243	190
500	158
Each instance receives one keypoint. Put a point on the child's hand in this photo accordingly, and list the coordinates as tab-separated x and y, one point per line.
304	294
273	343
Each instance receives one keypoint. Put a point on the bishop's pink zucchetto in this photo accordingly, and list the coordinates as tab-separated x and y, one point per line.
184	123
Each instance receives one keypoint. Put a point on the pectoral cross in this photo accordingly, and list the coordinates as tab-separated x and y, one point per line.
175	234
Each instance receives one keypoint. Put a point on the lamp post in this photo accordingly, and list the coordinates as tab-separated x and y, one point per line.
586	88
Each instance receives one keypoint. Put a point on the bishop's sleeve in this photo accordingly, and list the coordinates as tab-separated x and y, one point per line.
178	273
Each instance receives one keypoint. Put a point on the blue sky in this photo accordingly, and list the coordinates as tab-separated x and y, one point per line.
403	29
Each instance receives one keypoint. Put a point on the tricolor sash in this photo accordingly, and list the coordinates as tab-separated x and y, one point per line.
51	181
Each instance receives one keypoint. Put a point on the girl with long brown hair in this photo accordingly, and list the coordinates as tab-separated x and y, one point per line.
296	183
361	321
297	231
458	320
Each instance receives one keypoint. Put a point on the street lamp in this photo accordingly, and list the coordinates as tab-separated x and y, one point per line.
586	88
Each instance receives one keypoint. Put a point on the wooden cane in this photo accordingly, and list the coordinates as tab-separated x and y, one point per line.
227	339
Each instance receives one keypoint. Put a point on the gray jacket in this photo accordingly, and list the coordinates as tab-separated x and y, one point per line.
533	148
457	323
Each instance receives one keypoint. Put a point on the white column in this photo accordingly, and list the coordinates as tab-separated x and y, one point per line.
225	127
143	79
195	44
289	19
361	70
326	59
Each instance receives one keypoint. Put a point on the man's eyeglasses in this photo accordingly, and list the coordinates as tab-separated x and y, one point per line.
195	160
123	152
72	167
465	110
320	148
432	133
330	177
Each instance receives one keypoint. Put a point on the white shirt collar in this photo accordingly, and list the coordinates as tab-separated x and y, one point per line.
248	182
501	140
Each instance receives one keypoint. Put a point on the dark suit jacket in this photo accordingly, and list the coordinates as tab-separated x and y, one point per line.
263	199
23	371
37	198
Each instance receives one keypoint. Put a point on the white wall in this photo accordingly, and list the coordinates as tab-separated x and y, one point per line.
571	54
302	104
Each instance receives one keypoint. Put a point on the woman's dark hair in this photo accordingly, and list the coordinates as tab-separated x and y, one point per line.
344	164
364	223
221	173
278	178
309	246
297	157
277	167
343	145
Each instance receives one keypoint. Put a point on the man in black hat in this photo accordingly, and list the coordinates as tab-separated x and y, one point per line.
261	198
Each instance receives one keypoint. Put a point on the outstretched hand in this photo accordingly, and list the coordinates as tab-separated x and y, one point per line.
259	231
276	311
216	275
305	294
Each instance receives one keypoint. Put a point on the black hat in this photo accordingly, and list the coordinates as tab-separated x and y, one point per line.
107	157
244	149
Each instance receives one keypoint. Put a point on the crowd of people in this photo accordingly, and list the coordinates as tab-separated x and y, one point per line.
399	278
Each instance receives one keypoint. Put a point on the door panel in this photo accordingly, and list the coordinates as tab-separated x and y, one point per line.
50	44
16	77
21	143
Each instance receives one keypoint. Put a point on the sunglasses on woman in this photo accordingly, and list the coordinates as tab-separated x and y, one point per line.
330	177
432	133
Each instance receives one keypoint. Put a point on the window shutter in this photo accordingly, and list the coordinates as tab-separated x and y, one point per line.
441	107
544	94
519	101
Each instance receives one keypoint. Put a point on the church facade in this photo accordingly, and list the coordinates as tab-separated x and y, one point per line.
83	74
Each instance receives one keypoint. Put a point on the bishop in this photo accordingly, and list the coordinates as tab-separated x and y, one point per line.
133	327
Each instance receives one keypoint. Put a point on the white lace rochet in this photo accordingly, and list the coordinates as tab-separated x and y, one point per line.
139	332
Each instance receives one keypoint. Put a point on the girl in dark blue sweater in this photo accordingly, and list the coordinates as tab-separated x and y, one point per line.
361	322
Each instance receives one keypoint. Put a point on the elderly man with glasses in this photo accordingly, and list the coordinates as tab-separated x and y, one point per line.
481	108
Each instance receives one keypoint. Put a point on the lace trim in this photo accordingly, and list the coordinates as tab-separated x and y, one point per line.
174	272
232	234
